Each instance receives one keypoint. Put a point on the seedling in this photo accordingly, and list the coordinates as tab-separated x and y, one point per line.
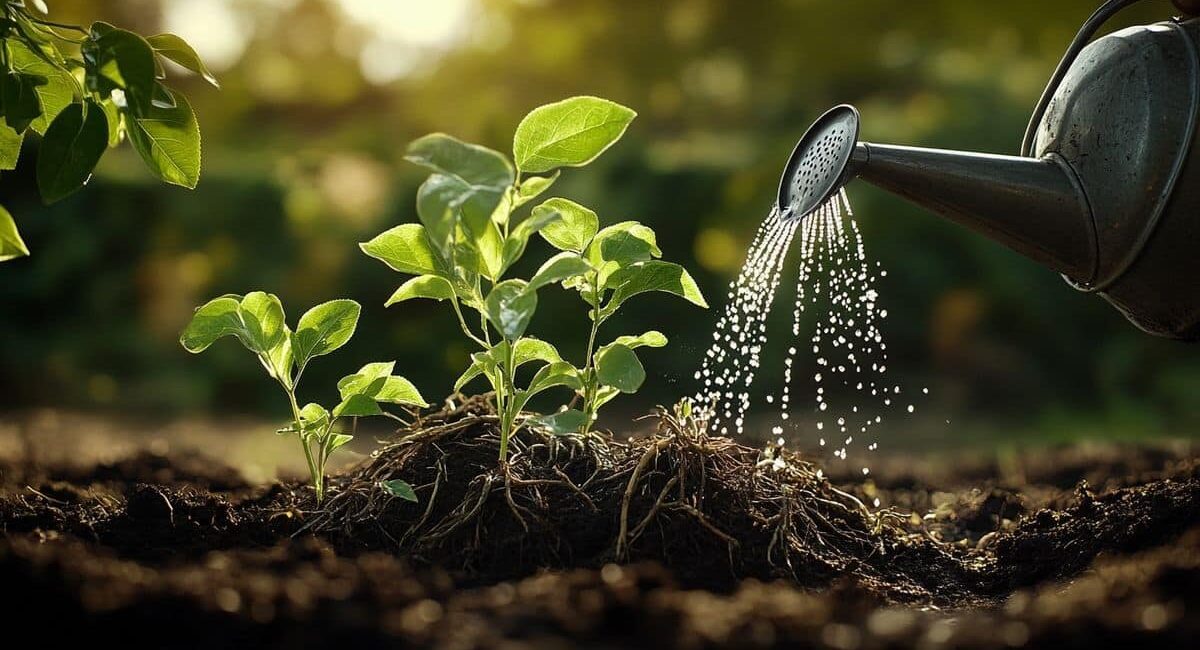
84	91
607	268
469	237
257	321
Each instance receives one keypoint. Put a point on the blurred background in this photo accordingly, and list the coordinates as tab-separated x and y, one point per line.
302	158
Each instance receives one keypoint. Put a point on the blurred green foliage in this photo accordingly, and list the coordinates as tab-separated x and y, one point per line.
302	159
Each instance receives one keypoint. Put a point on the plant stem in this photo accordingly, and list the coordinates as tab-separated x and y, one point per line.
589	371
506	417
314	472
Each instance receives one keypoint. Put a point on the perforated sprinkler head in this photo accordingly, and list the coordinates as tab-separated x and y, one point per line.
820	164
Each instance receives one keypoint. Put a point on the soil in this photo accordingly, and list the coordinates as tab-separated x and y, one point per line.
674	540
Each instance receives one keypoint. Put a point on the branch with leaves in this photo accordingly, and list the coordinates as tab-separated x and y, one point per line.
257	321
84	91
470	236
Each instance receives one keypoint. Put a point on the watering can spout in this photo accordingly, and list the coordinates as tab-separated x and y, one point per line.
1034	206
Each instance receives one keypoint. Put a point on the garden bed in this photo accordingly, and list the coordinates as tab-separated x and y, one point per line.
675	539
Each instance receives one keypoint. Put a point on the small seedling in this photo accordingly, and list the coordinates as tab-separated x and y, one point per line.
257	321
84	91
469	237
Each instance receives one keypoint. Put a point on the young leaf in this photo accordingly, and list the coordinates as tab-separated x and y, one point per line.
422	286
574	231
651	276
404	248
338	440
11	245
357	405
399	489
10	146
215	319
651	339
569	133
514	246
19	97
122	59
559	268
623	243
561	423
56	94
279	358
313	418
178	50
533	187
375	380
618	366
323	329
473	165
168	140
490	248
532	349
70	150
510	308
438	202
262	321
554	374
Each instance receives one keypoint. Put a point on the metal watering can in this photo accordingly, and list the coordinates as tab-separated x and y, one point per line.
1106	190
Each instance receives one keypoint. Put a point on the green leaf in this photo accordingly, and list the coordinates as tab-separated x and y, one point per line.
533	187
532	349
337	441
623	243
651	339
490	246
168	140
438	202
555	374
178	50
423	286
405	248
559	268
375	380
313	418
575	230
618	366
561	423
112	115
651	276
10	145
357	405
323	329
514	246
122	59
473	165
399	489
481	364
256	321
20	100
213	320
11	245
569	133
279	358
70	150
56	94
262	321
510	308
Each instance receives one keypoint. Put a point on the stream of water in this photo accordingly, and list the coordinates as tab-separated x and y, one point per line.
836	296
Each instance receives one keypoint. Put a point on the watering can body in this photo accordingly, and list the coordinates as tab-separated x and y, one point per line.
1107	191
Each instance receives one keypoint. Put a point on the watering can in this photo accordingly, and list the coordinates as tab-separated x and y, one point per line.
1106	190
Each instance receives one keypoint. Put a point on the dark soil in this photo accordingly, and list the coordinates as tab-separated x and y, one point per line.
675	540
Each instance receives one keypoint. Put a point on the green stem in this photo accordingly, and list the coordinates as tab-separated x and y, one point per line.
589	372
467	330
507	418
314	470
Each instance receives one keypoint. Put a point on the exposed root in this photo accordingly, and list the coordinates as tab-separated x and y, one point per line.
680	497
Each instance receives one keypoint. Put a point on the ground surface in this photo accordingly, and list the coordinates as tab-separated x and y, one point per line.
1062	547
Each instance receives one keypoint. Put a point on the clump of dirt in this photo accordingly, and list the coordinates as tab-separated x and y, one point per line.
712	511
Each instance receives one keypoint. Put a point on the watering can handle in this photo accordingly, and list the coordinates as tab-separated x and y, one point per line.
1106	11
